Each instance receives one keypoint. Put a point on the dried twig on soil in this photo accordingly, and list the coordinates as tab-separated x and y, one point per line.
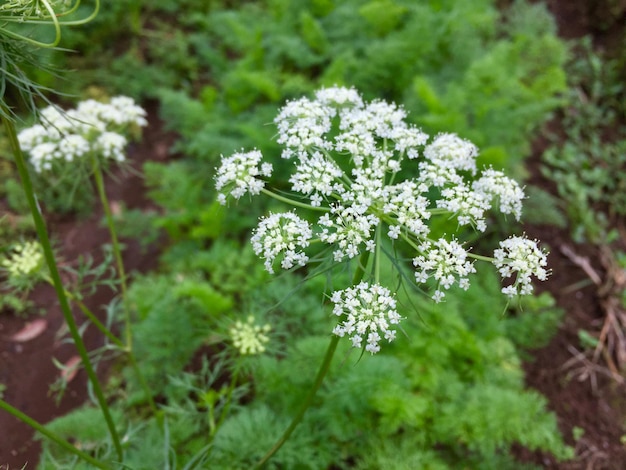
611	344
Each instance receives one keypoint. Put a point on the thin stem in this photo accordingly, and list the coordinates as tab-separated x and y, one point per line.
117	252
42	233
323	370
50	435
144	385
291	202
321	374
480	257
377	254
229	401
97	323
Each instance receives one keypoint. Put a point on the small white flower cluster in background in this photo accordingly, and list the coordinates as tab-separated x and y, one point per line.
93	128
363	168
370	311
25	261
249	338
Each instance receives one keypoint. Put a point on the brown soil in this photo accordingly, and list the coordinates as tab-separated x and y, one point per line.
596	406
583	394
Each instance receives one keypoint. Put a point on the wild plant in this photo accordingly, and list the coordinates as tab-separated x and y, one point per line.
366	185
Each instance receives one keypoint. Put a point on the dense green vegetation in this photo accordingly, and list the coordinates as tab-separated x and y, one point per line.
449	392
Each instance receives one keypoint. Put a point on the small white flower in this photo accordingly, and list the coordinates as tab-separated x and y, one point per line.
494	183
407	204
73	146
522	258
130	112
339	97
408	139
32	136
316	175
394	232
93	128
42	155
111	145
369	311
432	174
240	173
249	338
282	234
445	261
449	150
302	125
346	228
469	206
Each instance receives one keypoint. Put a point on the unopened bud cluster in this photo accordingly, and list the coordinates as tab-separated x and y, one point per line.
24	264
248	337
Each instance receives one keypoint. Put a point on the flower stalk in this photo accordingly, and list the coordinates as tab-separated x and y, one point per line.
319	378
117	252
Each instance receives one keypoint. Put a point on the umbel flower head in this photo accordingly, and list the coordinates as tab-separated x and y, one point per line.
370	311
370	175
520	258
93	129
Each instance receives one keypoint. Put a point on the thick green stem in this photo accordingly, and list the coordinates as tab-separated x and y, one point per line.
56	278
321	374
117	252
50	435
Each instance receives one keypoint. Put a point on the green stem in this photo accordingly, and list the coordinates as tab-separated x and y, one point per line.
50	435
321	374
229	401
119	261
480	257
292	202
42	233
117	252
97	323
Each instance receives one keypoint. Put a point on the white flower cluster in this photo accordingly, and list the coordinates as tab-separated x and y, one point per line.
282	234
92	128
26	260
370	311
240	173
249	338
446	262
520	257
369	173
